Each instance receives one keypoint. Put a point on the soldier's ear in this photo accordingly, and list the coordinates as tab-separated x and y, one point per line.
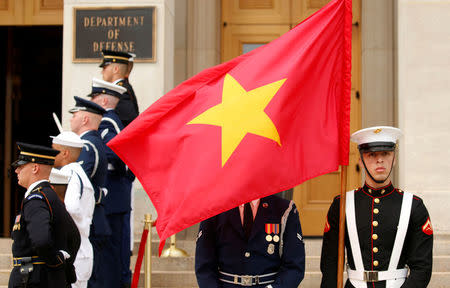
116	69
85	119
35	169
66	153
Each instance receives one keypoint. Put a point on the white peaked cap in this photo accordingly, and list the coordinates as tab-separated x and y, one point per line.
376	134
379	138
98	84
59	177
68	138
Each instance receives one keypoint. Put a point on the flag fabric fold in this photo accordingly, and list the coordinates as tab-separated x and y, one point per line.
256	125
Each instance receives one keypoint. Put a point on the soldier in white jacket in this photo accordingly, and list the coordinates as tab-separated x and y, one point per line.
79	200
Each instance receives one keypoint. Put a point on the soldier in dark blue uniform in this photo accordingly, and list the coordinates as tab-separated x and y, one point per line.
46	240
119	183
115	70
258	244
389	237
85	122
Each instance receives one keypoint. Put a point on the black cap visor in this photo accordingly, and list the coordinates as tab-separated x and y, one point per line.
376	147
27	159
104	63
16	164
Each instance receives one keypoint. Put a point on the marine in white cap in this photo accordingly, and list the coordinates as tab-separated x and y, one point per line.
78	198
389	237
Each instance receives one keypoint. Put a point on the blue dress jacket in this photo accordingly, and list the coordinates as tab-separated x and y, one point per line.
95	163
118	181
222	246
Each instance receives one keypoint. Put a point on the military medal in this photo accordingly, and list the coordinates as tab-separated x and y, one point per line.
271	249
272	228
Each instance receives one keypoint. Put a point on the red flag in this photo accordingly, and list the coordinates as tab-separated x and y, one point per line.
259	124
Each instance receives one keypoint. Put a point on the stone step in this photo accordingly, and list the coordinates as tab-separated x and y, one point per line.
179	272
440	263
5	261
313	247
163	279
4	276
186	279
5	245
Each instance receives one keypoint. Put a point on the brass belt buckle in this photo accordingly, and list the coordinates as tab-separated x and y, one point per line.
246	280
371	276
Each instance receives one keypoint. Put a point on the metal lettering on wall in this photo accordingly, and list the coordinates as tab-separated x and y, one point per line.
118	28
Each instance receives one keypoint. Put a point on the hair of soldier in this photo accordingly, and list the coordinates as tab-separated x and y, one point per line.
129	68
73	153
111	101
93	120
42	173
96	119
122	69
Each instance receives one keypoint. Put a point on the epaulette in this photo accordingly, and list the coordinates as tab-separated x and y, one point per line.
38	189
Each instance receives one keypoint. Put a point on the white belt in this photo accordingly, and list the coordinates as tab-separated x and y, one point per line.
247	280
374	276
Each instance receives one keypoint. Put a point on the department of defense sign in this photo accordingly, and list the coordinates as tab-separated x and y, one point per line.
127	29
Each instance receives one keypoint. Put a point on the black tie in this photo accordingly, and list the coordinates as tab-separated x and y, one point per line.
248	220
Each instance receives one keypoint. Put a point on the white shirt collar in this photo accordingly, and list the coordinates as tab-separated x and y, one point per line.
32	187
254	203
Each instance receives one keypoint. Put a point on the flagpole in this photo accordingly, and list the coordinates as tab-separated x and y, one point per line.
340	268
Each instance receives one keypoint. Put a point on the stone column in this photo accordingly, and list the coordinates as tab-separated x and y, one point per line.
423	104
203	49
377	95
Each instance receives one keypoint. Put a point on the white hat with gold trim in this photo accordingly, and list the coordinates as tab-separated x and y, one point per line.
378	138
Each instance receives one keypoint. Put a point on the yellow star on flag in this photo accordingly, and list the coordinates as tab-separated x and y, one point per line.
241	112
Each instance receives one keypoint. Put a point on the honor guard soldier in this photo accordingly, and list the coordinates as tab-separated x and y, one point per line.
115	69
119	183
46	239
86	118
79	200
389	237
257	244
